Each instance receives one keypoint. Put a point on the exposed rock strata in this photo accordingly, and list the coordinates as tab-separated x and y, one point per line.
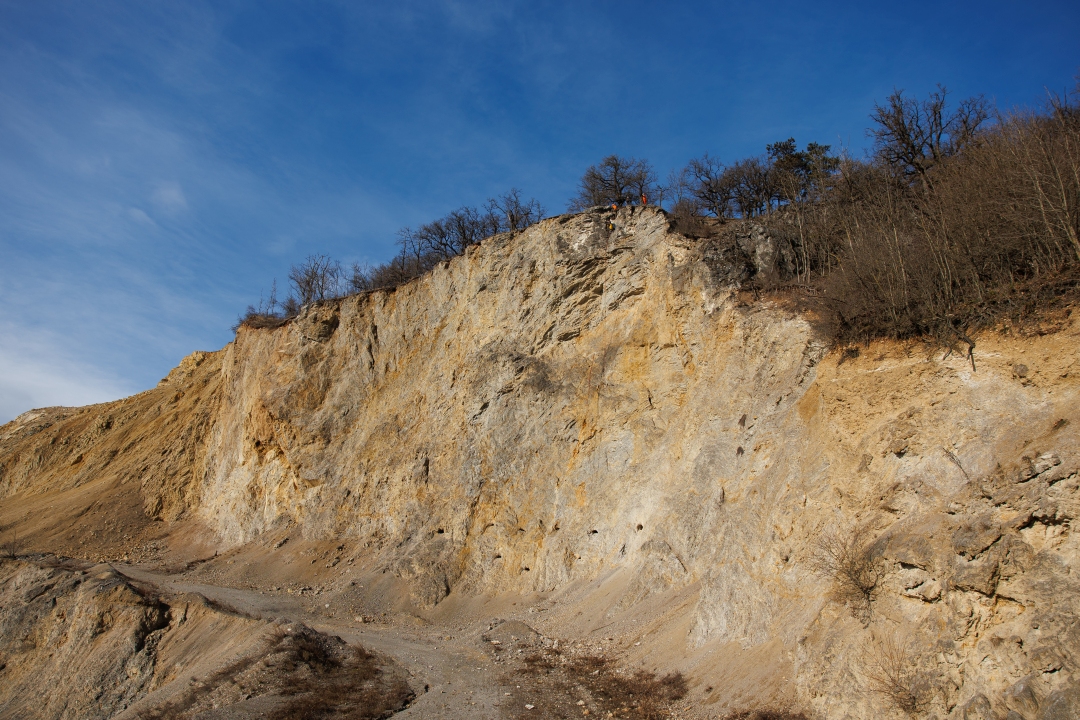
570	402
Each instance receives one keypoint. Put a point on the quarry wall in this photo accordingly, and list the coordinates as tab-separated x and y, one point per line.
571	401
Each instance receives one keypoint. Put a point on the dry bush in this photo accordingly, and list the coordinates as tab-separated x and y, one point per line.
324	680
765	715
11	547
335	686
851	562
260	321
541	662
891	671
990	230
266	314
314	677
563	680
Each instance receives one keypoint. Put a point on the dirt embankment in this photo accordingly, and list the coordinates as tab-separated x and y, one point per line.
86	641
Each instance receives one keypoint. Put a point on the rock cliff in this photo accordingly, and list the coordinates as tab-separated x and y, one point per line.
573	408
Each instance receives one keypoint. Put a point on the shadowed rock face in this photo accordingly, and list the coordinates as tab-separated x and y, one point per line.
570	402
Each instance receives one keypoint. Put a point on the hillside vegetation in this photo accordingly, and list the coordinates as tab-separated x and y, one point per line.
959	216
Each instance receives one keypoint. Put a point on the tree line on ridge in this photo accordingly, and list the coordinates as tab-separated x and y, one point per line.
957	216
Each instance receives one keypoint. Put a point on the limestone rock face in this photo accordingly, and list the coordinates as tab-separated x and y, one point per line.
549	407
570	402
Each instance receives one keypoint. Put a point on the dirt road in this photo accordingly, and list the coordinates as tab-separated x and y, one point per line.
452	676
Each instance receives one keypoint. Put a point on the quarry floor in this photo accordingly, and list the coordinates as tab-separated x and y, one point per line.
468	657
465	657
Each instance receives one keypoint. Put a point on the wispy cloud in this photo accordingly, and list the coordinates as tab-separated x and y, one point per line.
169	198
140	216
38	369
161	163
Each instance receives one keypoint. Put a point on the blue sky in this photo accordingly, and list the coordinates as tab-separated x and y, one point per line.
162	162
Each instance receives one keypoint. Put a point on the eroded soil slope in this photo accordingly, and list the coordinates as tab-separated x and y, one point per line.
82	641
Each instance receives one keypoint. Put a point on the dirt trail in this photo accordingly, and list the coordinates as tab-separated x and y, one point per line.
477	657
452	678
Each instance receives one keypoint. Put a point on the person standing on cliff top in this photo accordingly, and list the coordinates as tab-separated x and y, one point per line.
644	200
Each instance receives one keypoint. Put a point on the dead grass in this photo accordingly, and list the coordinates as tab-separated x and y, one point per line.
313	676
556	683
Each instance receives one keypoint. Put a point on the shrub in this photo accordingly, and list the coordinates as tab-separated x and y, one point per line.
852	564
11	547
891	671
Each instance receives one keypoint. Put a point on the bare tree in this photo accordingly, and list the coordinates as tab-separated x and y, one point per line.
449	236
360	275
615	179
710	186
512	212
317	278
400	269
468	226
751	186
446	237
320	277
912	137
686	209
